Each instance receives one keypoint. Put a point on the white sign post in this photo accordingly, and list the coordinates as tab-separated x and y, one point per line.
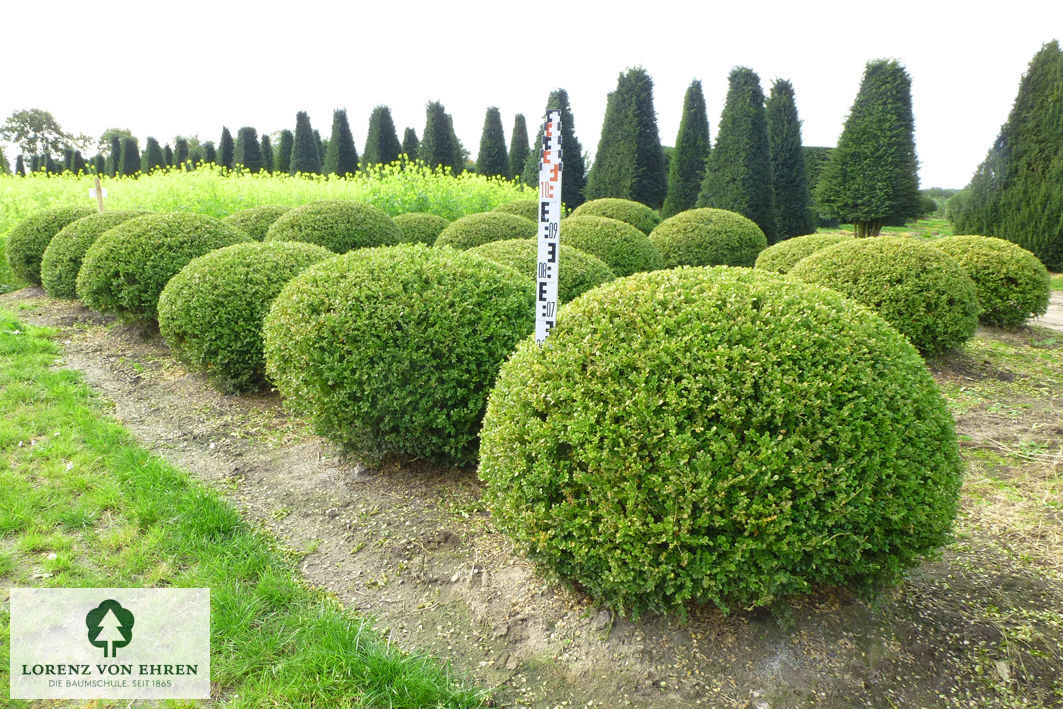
98	193
549	226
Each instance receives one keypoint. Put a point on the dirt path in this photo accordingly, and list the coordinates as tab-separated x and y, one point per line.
1054	317
412	546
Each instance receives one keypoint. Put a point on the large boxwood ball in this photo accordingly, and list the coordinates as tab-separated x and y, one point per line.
718	435
29	238
337	225
1012	284
636	214
393	350
527	208
62	259
784	255
578	271
622	247
485	227
211	312
127	267
915	287
256	221
708	237
420	227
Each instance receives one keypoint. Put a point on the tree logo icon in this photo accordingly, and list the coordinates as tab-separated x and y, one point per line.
110	625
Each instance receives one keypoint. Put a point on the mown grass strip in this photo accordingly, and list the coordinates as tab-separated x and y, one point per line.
81	505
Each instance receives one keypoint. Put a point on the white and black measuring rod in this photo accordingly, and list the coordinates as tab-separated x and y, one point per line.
549	225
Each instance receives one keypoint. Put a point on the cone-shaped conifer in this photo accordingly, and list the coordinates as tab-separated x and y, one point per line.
267	153
210	155
793	205
382	145
305	156
226	150
20	166
687	165
248	152
180	152
518	147
341	157
492	160
411	146
282	160
437	142
574	181
114	160
129	162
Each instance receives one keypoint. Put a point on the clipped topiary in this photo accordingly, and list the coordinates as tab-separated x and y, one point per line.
211	312
1012	284
782	256
393	350
578	271
719	435
527	208
708	237
125	270
622	247
337	225
476	229
256	221
420	228
637	215
27	241
62	259
915	287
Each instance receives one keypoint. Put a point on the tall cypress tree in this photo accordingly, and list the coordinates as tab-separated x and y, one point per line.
322	148
411	146
629	162
267	153
68	159
153	156
4	168
167	152
437	142
492	160
210	155
282	161
574	181
114	161
248	152
78	164
341	157
738	170
226	150
518	147
305	156
50	165
35	163
872	174
793	204
129	162
20	166
382	145
99	164
180	152
687	166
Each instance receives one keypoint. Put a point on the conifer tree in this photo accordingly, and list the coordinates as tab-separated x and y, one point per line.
129	161
167	152
322	147
68	159
437	142
872	174
4	168
738	170
574	181
99	164
305	156
114	161
492	160
50	166
519	148
687	165
20	166
411	146
341	157
282	161
248	152
793	205
226	150
78	164
153	156
382	145
180	152
210	155
267	153
35	163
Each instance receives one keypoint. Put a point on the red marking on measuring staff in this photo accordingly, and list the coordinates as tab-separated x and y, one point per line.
550	168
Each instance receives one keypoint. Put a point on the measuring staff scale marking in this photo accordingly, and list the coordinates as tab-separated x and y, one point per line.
550	167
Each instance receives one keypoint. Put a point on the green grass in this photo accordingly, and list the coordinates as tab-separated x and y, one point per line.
1057	281
927	228
81	505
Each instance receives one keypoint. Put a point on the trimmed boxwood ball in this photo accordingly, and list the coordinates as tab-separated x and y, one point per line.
527	208
622	247
485	227
420	227
718	435
918	289
636	214
578	271
29	238
784	255
337	225
62	259
211	312
1012	284
256	221
125	270
708	237
393	350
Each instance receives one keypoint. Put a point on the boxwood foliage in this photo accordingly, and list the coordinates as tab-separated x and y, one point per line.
578	271
708	237
29	238
527	208
622	247
420	228
337	225
476	229
62	259
256	221
211	312
918	289
125	270
393	350
782	256
718	435
1012	284
637	215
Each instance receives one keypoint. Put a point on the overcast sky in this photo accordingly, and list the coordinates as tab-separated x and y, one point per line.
164	69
